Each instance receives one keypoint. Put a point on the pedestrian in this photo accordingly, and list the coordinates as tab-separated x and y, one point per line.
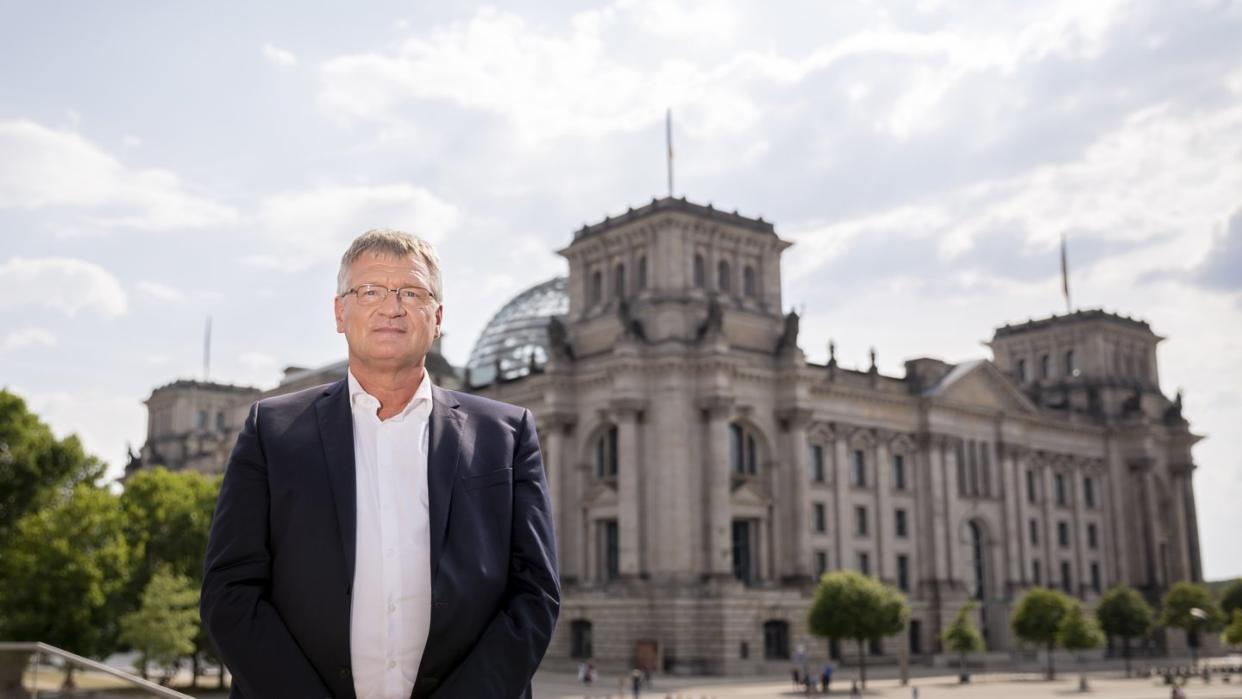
826	678
797	679
636	682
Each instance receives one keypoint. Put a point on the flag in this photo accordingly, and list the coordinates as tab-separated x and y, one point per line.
1065	275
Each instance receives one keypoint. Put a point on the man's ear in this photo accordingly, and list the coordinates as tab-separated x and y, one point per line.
338	307
439	318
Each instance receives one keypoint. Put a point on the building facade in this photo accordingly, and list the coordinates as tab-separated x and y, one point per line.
703	474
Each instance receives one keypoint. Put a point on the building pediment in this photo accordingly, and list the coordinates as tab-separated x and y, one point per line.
602	493
748	492
979	384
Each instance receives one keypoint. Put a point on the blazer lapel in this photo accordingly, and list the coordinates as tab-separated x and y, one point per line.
336	432
444	449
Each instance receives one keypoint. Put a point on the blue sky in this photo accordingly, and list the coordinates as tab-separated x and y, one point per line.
162	163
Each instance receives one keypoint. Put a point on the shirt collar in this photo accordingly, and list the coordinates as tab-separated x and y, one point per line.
419	405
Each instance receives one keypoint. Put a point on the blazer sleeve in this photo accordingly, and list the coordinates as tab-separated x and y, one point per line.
247	630
510	649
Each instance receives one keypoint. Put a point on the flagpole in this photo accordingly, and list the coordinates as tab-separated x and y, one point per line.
668	138
207	351
1065	290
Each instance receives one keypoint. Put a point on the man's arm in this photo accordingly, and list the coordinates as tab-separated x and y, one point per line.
510	649
248	632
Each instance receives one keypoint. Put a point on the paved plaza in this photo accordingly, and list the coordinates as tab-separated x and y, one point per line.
1007	686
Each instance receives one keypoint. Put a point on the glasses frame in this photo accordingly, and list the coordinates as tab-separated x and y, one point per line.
431	296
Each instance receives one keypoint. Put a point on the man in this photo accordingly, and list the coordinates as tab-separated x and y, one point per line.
381	537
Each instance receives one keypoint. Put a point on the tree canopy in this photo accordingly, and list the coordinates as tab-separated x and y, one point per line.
851	605
163	628
1037	619
34	465
1181	599
1123	612
1231	598
1079	630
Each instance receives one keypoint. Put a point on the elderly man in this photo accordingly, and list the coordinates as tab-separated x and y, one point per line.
381	537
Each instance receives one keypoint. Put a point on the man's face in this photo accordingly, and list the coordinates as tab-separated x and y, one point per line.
391	334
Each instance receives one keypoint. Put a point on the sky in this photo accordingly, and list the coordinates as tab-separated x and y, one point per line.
165	162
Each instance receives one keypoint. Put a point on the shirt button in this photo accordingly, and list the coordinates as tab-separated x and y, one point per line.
391	607
392	664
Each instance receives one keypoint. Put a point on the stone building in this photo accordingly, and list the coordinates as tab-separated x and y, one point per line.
704	474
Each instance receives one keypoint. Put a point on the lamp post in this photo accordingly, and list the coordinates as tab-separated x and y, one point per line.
1200	616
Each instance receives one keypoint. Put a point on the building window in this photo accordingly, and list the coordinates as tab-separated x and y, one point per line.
816	463
1030	486
963	481
618	281
743	650
1063	534
775	640
820	519
597	287
903	572
860	520
900	525
1045	367
748	280
976	552
916	637
744	550
1096	585
899	471
1034	531
723	278
972	451
610	550
220	421
1092	538
642	272
821	563
200	420
864	563
700	272
743	450
1066	583
1059	488
875	647
1088	491
859	474
1022	370
1036	573
1069	364
580	643
606	453
985	467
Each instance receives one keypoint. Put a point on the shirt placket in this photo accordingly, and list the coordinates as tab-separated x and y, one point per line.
389	535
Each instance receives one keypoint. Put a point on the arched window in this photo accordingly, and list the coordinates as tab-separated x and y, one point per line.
700	271
597	287
618	281
775	640
1069	363
220	421
580	641
642	272
723	280
1022	370
743	450
1045	367
200	421
606	453
748	280
976	562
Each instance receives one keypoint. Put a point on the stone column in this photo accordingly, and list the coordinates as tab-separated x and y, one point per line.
952	508
841	507
629	479
1191	528
795	558
718	557
1078	472
883	508
937	512
1140	475
557	442
1012	481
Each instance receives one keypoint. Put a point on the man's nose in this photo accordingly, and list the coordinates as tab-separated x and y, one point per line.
392	304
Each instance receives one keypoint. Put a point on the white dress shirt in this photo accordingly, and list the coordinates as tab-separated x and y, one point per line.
391	612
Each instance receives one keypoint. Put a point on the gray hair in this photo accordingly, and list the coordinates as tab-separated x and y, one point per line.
389	242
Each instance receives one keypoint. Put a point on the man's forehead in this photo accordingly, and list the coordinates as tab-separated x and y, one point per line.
389	264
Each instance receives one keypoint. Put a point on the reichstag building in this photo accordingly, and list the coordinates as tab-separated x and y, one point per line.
704	474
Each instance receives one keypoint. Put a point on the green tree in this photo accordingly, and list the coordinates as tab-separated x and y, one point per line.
962	637
1233	633
35	466
1123	612
65	569
168	520
1231	598
1037	618
164	627
851	605
1079	631
1189	606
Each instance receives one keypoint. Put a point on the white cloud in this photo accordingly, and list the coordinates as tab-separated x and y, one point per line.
317	224
45	168
106	423
27	337
64	284
162	292
279	56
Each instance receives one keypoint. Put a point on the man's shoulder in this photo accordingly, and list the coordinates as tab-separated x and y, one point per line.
482	407
297	400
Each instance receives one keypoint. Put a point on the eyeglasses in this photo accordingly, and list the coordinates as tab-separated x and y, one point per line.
372	294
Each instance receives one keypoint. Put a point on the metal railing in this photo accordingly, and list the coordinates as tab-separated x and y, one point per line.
33	677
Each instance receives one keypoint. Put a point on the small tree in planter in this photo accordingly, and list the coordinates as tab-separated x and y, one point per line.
1077	632
851	605
1123	612
1189	606
1037	618
962	637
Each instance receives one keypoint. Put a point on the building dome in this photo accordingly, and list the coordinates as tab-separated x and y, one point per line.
518	333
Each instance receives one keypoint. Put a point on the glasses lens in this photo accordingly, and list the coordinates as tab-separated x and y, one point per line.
370	294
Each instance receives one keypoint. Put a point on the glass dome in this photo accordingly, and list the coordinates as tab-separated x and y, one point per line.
518	332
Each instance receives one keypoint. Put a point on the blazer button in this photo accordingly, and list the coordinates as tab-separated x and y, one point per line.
345	672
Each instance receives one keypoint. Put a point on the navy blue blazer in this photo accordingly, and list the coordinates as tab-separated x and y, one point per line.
280	559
